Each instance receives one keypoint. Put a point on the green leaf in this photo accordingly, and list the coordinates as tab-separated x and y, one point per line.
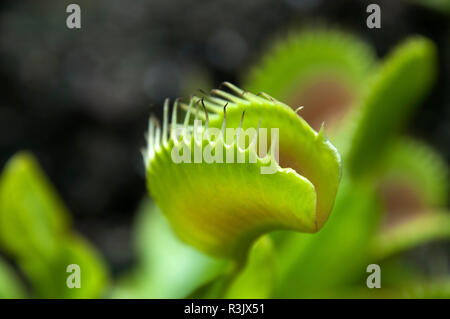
168	268
258	278
434	289
32	216
10	286
49	276
402	82
34	230
221	208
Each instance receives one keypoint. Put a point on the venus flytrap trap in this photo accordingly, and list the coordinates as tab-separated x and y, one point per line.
222	207
417	175
211	145
257	278
323	69
417	214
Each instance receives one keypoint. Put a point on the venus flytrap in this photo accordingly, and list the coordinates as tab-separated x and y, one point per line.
331	262
222	207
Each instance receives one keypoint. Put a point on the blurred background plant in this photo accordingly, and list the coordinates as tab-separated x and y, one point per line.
79	101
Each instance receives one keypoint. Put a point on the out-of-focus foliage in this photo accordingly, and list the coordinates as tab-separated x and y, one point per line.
411	233
259	276
164	261
416	164
10	286
326	71
168	268
413	185
35	231
438	5
256	278
402	82
32	217
332	263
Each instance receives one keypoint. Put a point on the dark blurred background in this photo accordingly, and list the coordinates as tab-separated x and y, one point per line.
80	99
